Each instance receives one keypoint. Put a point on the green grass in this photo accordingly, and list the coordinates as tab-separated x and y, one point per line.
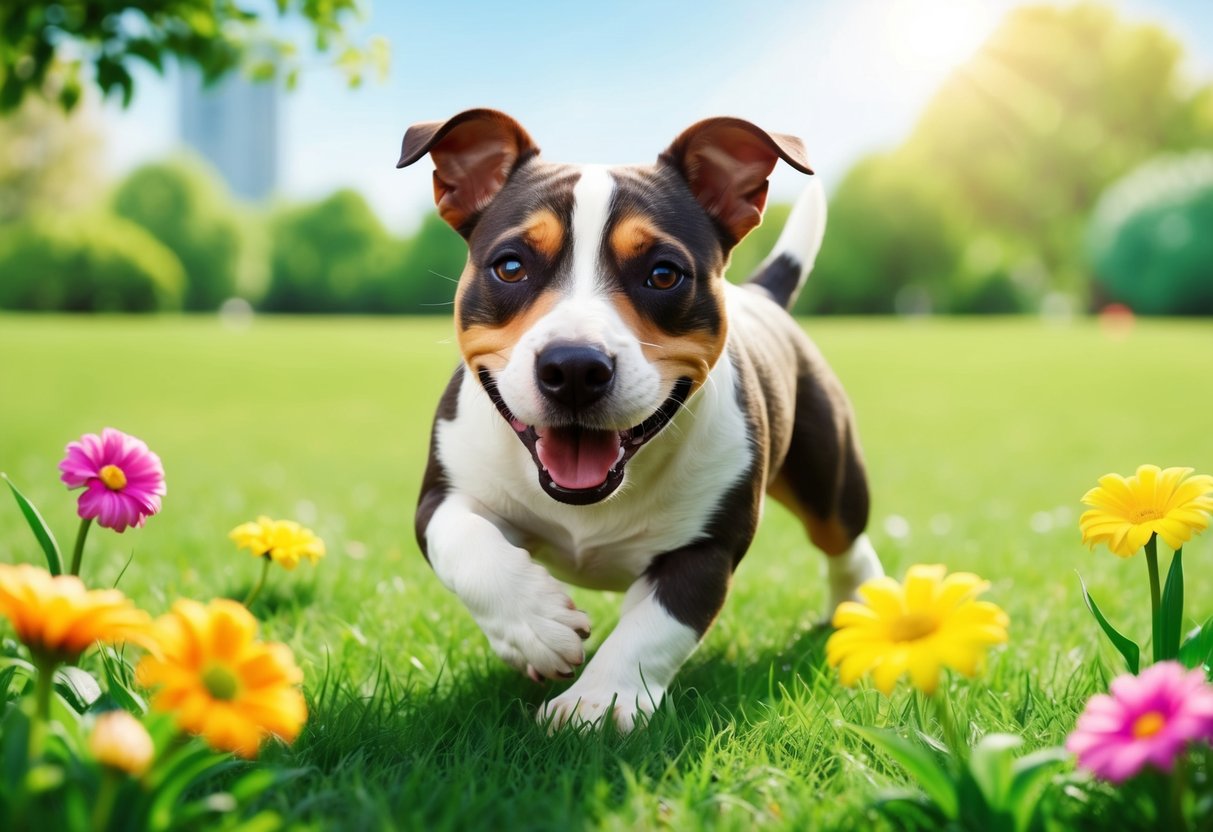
980	437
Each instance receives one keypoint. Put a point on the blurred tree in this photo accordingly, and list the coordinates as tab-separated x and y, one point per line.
892	243
187	208
42	40
326	254
51	161
89	263
432	261
1059	102
1150	237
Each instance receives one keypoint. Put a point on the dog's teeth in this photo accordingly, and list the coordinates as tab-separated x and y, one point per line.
619	458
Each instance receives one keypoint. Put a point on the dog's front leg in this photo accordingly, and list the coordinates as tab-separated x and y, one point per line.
665	613
529	619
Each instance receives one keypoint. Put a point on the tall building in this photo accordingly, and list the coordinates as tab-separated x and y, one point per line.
234	125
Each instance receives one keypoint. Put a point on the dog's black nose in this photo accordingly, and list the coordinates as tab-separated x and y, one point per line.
574	375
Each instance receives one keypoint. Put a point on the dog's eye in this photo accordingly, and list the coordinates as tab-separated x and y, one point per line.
509	270
664	276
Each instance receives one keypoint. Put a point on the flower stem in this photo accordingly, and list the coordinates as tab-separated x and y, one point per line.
78	551
1155	595
44	684
256	590
106	795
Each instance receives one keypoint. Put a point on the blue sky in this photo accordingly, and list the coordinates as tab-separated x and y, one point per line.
614	83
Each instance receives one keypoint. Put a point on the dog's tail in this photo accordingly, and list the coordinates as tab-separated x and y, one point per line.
782	274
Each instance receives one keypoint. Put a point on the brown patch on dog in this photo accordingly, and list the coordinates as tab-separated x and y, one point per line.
544	232
635	233
829	535
632	235
677	356
489	347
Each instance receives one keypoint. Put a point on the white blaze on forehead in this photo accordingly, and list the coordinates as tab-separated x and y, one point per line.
591	209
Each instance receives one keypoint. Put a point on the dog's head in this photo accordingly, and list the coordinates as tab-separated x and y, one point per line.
592	304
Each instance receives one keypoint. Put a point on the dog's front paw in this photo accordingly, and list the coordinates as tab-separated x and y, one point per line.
535	627
588	705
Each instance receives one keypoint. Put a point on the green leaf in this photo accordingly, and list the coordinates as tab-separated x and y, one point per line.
1029	777
54	560
1127	647
908	810
14	745
179	775
1197	648
919	763
990	765
78	687
1172	611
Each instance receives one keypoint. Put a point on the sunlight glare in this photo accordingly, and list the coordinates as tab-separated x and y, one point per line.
932	37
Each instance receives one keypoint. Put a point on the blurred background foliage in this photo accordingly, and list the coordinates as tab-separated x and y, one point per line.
1065	166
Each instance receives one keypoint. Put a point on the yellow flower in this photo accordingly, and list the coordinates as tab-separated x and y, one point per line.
218	682
120	741
283	541
1125	511
58	618
930	623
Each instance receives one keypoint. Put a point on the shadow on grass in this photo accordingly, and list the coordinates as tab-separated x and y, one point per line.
468	753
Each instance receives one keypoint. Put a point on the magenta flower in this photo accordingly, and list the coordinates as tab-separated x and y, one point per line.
123	481
1148	720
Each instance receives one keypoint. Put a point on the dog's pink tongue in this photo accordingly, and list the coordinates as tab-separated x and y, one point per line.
576	458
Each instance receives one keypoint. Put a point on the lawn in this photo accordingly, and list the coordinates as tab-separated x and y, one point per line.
980	435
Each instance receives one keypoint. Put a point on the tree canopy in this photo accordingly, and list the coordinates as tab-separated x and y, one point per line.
56	49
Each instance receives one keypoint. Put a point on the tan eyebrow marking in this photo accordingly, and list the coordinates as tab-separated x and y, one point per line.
635	233
544	232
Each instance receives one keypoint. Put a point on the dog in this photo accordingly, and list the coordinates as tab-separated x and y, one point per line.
621	410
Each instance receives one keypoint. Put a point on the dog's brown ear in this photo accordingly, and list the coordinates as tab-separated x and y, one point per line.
726	161
474	153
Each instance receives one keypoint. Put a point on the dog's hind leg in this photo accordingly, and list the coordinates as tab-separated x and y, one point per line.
824	483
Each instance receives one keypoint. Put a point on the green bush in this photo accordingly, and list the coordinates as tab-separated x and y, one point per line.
1149	238
422	281
325	254
92	263
890	235
187	208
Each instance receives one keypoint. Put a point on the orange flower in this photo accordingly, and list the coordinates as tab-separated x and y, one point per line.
58	618
219	682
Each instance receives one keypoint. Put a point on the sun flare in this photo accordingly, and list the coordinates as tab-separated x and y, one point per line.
932	37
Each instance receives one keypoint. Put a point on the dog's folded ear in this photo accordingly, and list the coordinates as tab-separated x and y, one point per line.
726	161
474	153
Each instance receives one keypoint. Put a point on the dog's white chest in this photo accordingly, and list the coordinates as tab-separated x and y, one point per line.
674	486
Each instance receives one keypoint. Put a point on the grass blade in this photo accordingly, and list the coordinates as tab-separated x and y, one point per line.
54	560
1127	647
1172	612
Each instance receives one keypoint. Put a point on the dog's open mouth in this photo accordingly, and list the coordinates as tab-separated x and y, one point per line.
579	465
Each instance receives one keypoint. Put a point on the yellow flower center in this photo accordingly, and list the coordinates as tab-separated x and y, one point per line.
1148	724
220	683
912	626
1144	515
113	477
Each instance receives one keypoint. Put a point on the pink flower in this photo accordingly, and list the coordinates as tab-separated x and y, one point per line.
1148	719
123	480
